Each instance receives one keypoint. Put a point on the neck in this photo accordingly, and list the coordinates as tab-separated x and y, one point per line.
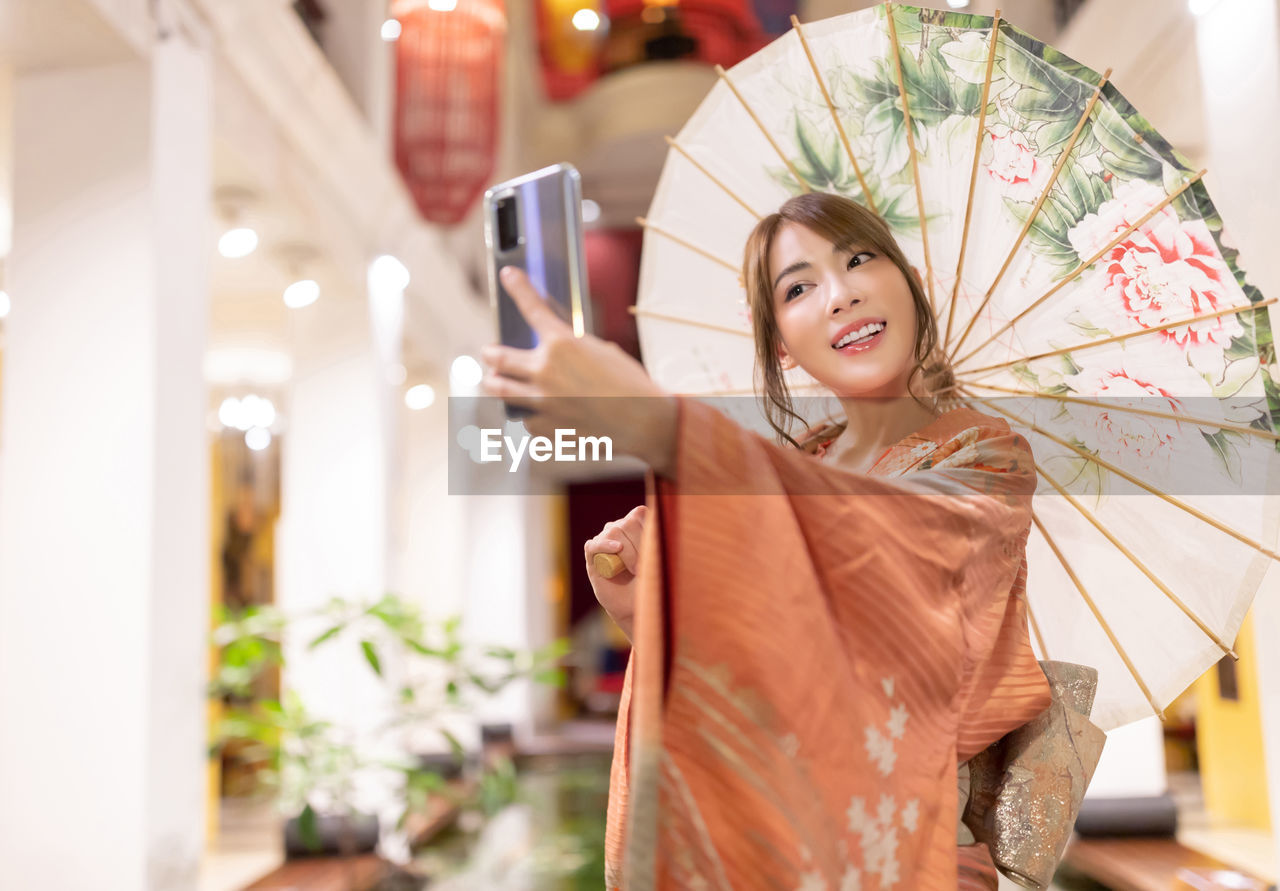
884	419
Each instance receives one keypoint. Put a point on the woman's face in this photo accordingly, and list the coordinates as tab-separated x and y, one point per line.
845	313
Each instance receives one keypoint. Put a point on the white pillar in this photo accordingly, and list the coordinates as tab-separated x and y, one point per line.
333	537
104	478
1238	43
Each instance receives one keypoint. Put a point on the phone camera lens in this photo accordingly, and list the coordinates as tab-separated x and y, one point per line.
508	230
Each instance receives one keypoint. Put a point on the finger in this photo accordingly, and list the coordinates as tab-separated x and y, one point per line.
601	545
629	553
511	391
633	524
532	305
509	361
604	549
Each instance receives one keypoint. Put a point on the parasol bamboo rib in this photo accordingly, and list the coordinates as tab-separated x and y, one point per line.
1119	471
1031	217
1131	409
641	221
724	76
973	173
1137	562
911	149
1065	280
1093	608
1116	338
662	317
844	137
1134	559
711	176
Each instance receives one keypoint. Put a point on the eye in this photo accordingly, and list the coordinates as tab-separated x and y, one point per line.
856	259
793	291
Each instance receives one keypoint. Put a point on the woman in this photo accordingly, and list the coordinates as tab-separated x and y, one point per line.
809	667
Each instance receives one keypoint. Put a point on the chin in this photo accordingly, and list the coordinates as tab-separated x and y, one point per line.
871	386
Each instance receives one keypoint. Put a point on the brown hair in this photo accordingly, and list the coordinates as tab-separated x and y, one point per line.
835	218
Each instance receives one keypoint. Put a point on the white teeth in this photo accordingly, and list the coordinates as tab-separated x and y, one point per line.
863	332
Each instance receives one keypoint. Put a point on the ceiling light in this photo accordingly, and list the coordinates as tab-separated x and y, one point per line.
301	293
237	243
386	273
465	373
258	412
443	5
957	4
391	30
258	438
586	20
590	211
420	397
238	237
229	413
4	304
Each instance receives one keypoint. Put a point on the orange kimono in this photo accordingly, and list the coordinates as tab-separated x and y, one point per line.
816	651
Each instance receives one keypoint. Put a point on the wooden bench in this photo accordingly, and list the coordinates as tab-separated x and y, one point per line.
1155	864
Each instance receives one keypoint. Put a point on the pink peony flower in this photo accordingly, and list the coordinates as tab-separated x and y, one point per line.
1015	166
1143	378
1168	269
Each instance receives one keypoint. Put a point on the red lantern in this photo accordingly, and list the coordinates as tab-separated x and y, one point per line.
448	65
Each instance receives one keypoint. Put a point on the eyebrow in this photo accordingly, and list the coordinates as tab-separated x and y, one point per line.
847	244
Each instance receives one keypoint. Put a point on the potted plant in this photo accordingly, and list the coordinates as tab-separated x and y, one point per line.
311	765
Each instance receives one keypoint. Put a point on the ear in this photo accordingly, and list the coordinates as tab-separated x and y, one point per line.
784	358
919	278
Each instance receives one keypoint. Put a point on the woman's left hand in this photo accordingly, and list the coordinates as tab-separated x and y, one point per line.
583	383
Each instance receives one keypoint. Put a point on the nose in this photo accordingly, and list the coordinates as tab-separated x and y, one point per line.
843	297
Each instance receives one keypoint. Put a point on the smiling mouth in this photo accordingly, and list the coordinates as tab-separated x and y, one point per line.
863	335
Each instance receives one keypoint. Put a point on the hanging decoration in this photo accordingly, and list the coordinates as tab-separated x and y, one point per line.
631	32
448	65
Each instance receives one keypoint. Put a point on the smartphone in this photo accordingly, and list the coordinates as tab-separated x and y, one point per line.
535	222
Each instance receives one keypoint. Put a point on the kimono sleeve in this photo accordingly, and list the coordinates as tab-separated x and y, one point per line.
948	537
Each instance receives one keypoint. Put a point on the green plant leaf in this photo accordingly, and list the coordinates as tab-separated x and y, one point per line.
557	649
371	656
454	745
327	635
307	828
482	682
553	677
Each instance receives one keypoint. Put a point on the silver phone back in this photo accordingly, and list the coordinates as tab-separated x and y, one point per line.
548	213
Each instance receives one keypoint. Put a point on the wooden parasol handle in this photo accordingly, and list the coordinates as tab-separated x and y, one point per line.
607	565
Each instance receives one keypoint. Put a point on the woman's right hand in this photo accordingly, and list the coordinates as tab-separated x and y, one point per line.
618	594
